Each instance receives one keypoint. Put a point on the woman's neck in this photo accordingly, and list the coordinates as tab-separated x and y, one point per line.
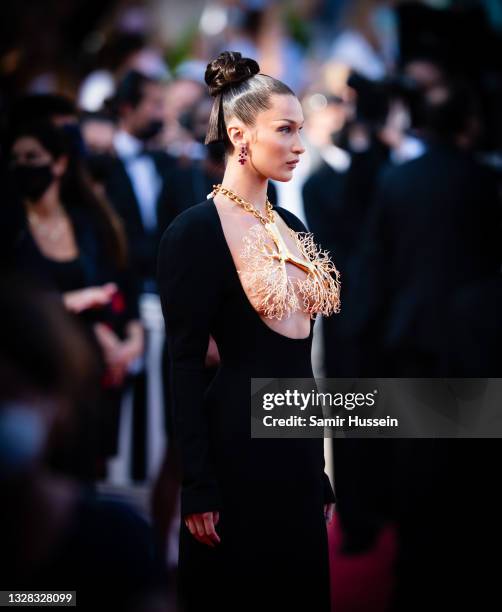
246	183
49	205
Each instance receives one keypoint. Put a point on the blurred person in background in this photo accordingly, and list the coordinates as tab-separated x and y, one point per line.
121	52
98	132
56	534
427	71
139	180
58	231
336	198
370	102
403	129
434	230
368	38
59	110
195	175
138	186
113	60
400	131
465	221
259	29
183	93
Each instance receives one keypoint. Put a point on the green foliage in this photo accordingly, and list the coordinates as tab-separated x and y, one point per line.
183	47
298	28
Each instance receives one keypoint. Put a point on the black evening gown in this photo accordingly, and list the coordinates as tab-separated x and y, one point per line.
270	493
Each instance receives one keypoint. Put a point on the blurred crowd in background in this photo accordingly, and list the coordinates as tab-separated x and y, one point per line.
103	114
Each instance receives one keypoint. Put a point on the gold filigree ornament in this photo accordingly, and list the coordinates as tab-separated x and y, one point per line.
264	273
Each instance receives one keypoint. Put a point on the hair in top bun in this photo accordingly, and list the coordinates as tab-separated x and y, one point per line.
229	68
239	91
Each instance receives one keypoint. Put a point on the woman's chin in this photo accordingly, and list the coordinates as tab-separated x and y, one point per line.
283	177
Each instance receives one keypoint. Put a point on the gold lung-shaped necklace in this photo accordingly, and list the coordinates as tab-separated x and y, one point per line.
264	267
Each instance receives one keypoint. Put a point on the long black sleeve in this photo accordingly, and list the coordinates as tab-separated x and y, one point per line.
191	296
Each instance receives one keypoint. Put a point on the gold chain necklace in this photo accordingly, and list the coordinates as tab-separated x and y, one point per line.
53	233
231	195
283	253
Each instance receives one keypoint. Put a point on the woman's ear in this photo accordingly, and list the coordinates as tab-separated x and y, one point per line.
236	134
59	166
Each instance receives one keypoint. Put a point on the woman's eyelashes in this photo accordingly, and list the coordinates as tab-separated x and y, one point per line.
287	129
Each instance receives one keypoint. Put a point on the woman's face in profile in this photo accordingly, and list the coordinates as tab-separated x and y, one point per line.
276	144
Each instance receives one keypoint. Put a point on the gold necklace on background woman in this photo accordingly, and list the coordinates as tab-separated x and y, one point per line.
44	229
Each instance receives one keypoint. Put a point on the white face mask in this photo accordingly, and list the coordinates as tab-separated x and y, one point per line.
23	433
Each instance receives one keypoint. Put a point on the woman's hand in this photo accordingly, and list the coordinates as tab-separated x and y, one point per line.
133	345
110	344
202	527
90	297
329	510
119	354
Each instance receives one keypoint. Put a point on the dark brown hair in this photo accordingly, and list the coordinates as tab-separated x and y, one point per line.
77	191
240	90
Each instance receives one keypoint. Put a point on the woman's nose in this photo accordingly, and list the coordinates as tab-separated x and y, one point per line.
298	147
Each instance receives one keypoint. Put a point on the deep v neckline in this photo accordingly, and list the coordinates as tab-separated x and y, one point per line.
238	280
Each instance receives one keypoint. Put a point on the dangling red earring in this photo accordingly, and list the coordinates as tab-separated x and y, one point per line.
242	155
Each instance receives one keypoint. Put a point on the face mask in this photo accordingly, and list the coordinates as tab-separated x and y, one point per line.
32	182
153	128
23	434
100	166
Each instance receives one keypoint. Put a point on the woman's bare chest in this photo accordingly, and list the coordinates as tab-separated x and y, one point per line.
282	274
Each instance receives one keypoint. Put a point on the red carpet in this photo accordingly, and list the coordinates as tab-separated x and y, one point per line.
362	582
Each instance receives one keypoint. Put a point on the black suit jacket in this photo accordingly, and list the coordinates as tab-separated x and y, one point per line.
336	203
142	243
434	228
428	264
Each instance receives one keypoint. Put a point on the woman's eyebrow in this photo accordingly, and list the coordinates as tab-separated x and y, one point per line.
290	121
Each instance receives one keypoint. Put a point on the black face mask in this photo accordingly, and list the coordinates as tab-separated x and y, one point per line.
100	166
31	182
151	129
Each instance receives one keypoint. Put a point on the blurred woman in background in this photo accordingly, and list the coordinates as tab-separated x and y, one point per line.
70	241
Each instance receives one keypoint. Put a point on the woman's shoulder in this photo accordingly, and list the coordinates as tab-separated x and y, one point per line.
194	223
194	214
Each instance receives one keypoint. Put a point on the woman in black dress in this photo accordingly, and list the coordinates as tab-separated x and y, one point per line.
254	511
56	230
